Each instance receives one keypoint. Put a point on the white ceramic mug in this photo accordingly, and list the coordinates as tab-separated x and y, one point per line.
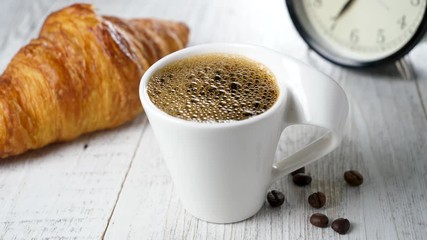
222	171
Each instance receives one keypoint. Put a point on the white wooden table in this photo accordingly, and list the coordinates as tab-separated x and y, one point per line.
119	188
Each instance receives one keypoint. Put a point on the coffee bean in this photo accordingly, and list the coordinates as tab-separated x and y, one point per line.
300	170
275	198
341	225
301	179
317	199
353	178
319	220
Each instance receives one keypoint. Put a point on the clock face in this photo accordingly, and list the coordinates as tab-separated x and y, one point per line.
364	30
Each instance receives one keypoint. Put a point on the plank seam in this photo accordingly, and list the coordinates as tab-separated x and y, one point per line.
125	178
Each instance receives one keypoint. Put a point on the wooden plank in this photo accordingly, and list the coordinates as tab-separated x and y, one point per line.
385	139
67	190
388	144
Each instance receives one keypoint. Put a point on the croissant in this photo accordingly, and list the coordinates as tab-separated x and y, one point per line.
80	75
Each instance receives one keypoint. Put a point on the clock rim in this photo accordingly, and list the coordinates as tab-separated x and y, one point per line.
351	63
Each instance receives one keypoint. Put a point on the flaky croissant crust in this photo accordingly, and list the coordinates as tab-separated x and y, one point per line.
80	75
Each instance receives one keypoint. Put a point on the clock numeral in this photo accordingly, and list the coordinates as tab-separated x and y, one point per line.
317	3
415	2
354	36
380	36
402	22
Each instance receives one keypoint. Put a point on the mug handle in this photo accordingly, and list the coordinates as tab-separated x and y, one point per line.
316	100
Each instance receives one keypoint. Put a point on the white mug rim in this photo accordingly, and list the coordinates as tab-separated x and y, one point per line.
201	50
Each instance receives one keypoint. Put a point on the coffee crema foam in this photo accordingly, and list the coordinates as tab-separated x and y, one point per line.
213	88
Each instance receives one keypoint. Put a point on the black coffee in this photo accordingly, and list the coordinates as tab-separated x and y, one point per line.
213	88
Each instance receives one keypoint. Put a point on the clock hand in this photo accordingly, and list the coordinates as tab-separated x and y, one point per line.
344	9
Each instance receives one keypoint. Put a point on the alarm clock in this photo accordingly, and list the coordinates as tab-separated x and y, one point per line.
360	33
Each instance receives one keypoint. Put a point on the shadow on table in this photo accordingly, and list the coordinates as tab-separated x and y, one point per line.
389	71
58	149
